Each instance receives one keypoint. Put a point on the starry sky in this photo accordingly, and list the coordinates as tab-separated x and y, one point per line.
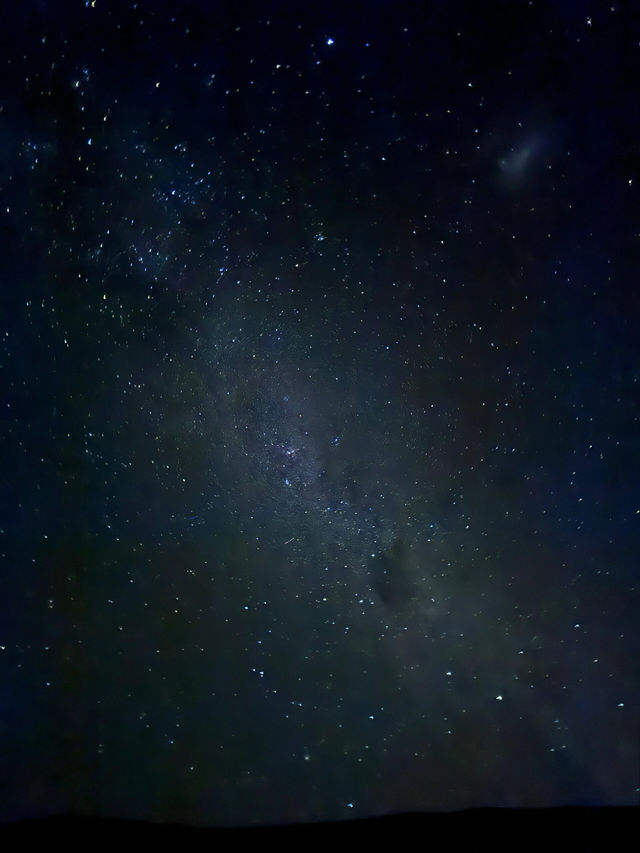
319	443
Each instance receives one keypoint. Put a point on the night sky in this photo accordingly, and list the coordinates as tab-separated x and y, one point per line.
319	441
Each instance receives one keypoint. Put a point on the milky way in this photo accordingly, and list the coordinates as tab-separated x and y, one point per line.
306	452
